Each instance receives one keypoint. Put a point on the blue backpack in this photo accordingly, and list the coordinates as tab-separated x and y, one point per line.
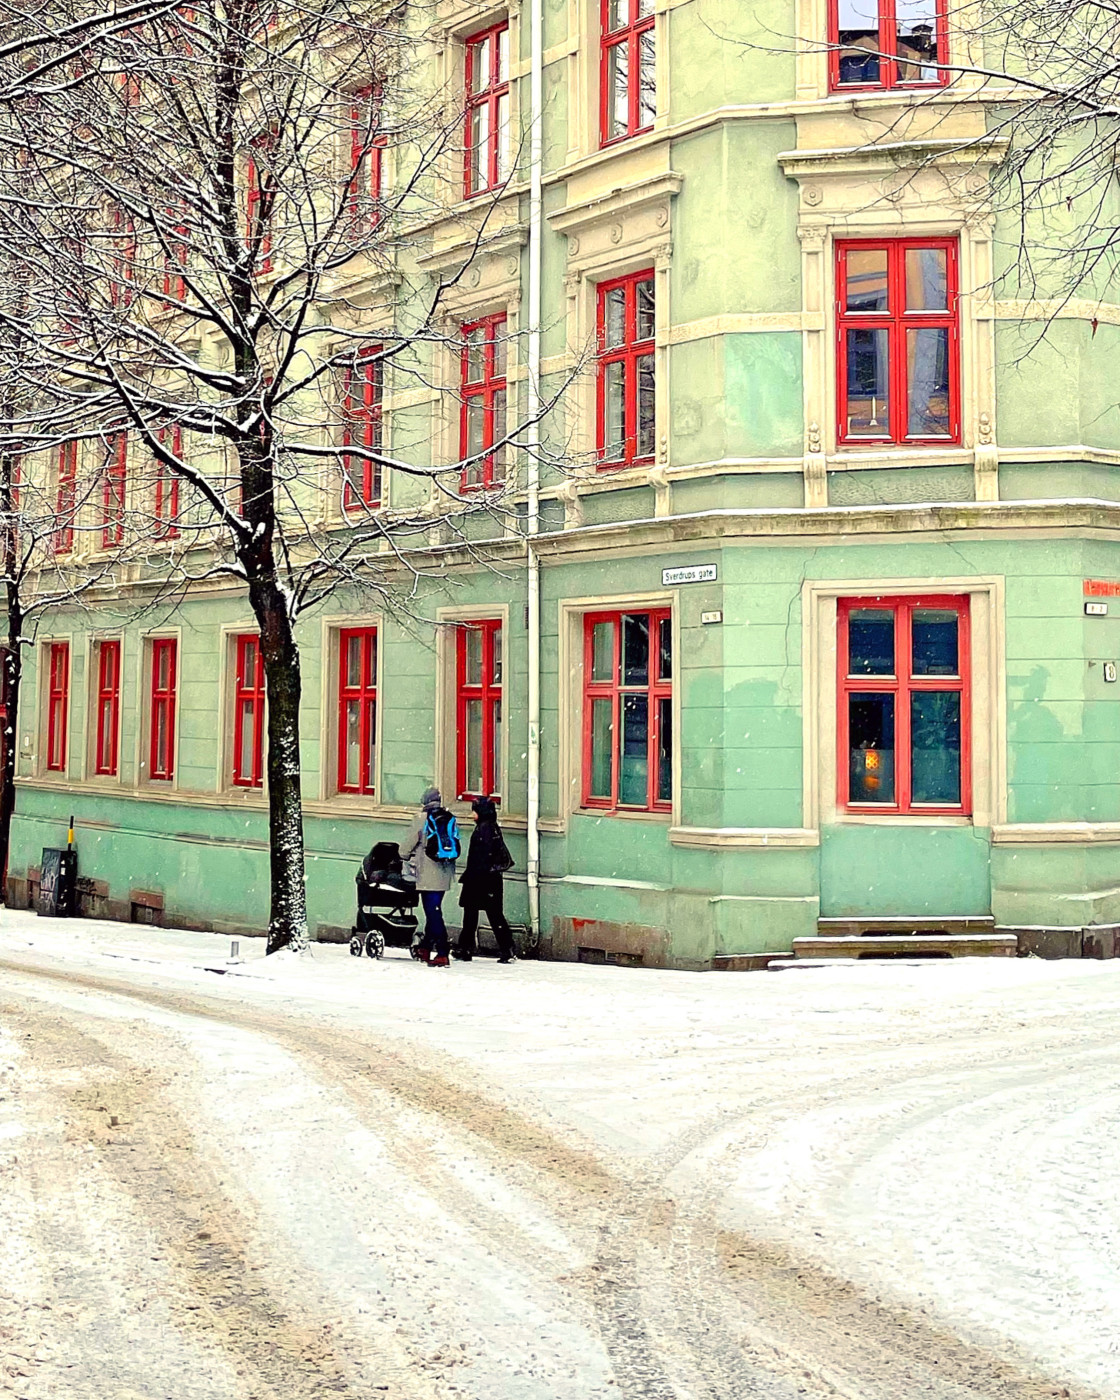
441	833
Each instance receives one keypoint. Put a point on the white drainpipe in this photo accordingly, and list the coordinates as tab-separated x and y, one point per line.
533	599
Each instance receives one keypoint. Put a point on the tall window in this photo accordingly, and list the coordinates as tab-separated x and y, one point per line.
248	713
260	196
357	709
886	43
487	108
626	401
478	720
107	709
628	69
367	150
165	506
903	690
66	496
482	420
898	351
58	705
165	661
361	427
113	485
628	710
174	257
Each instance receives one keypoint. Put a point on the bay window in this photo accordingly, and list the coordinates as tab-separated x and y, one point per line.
627	70
886	43
625	409
357	709
898	341
482	420
478	708
903	731
628	710
487	90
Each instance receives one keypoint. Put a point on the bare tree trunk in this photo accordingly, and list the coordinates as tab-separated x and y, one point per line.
13	673
287	924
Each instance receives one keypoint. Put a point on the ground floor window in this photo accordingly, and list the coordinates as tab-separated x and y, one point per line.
248	713
58	704
164	694
357	709
108	709
628	710
478	708
904	700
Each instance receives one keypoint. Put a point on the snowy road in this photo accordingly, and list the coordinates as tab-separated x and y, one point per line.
324	1177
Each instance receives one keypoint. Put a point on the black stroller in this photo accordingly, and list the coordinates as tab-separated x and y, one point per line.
386	898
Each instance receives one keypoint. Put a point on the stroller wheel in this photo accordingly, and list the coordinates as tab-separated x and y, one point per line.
375	943
356	947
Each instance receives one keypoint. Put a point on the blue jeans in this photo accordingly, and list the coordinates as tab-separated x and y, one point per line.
435	930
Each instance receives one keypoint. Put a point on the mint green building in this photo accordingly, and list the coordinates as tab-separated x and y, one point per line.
808	605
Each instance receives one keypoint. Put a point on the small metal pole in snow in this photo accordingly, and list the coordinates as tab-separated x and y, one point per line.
234	950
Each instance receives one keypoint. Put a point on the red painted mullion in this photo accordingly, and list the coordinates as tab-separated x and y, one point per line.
903	666
258	719
888	43
487	709
896	303
616	696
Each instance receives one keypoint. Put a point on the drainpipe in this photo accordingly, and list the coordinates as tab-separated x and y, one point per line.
533	563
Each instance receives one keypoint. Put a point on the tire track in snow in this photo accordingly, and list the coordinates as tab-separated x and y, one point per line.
752	1320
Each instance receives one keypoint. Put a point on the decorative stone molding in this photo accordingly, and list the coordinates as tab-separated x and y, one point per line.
633	217
491	271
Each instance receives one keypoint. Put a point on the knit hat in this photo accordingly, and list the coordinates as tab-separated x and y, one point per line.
431	799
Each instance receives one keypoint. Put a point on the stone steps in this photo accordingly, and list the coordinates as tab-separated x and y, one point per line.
908	945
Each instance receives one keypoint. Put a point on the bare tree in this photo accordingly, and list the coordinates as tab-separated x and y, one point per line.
222	207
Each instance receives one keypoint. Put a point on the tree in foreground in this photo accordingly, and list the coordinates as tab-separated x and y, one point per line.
220	208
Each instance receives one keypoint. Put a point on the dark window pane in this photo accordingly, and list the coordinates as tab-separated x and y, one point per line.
646	406
916	39
635	649
633	768
871	748
868	407
665	750
935	642
614	394
665	649
935	742
927	376
866	279
927	287
647	79
601	730
645	309
859	39
871	642
618	89
615	319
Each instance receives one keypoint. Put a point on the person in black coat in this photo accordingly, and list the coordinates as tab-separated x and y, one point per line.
487	859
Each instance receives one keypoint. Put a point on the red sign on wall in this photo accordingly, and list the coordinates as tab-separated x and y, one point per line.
1101	588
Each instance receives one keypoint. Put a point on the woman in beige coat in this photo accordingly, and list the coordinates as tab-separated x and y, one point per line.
433	879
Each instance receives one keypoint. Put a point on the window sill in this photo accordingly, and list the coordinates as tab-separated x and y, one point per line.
664	817
902	819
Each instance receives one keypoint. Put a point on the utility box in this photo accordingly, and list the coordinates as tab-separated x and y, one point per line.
58	884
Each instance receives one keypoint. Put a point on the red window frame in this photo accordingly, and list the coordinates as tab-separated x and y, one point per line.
257	177
628	354
248	705
888	51
486	395
58	705
487	93
363	696
903	684
113	486
363	422
487	694
122	281
66	495
174	260
897	321
164	695
658	688
367	145
165	507
639	21
107	711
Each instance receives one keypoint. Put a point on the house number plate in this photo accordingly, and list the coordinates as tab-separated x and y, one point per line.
694	573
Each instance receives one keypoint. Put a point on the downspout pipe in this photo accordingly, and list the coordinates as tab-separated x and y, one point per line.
533	468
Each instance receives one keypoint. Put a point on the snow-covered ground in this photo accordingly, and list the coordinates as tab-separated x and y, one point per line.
546	1180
